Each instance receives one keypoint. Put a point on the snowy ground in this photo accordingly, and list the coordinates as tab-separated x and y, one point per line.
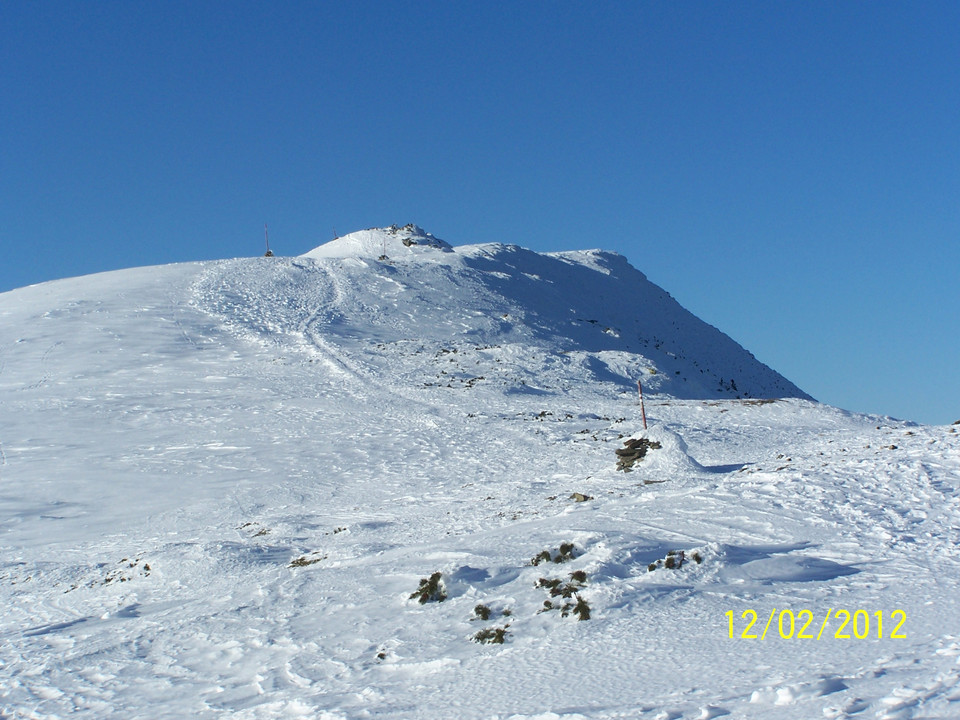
221	483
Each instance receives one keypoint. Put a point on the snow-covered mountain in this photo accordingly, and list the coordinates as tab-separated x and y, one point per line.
516	317
226	487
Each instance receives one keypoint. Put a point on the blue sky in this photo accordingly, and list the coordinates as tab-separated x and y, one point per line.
789	171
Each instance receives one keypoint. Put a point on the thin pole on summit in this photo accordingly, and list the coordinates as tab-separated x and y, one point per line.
266	237
642	409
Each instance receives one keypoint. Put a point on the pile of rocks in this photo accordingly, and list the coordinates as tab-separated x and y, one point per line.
634	450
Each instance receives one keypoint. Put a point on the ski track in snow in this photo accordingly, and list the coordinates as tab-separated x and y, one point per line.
283	448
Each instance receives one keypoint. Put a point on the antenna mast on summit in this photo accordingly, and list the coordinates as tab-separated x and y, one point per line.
266	237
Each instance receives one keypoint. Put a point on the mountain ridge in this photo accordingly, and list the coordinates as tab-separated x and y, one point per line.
596	301
588	308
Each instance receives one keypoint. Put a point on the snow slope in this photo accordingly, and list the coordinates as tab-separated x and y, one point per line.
221	483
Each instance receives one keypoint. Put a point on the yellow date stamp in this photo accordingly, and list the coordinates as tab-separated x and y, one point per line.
838	624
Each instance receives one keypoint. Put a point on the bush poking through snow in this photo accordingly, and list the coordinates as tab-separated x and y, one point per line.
307	560
581	609
482	612
569	590
431	589
129	569
543	556
557	588
491	636
552	585
674	560
564	553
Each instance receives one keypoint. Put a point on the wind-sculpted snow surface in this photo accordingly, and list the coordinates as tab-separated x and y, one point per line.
223	486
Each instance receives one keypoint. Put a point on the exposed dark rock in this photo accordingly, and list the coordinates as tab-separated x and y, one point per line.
633	451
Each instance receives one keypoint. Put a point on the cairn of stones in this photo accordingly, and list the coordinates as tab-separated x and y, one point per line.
633	451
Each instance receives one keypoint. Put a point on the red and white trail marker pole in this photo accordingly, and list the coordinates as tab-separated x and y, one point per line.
642	409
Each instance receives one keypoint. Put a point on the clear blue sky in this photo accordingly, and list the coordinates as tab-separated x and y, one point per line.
789	171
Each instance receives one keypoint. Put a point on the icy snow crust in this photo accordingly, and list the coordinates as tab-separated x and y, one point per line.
220	483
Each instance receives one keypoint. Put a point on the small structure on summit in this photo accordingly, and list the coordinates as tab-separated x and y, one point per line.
266	236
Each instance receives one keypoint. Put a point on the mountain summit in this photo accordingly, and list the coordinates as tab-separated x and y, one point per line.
376	242
544	320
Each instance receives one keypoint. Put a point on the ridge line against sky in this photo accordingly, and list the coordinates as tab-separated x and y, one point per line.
789	172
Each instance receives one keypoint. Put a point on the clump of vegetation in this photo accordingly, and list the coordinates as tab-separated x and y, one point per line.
674	560
552	585
491	636
431	589
254	529
127	571
129	568
581	609
558	588
485	612
564	553
305	560
543	556
567	590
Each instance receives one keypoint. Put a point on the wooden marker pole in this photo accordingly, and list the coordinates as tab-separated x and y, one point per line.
642	409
